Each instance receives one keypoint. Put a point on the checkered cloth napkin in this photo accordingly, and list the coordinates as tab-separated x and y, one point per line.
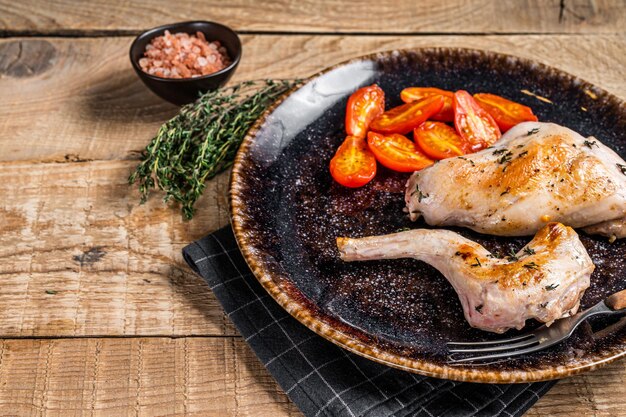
323	379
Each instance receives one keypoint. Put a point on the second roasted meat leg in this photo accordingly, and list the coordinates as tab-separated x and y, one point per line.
545	280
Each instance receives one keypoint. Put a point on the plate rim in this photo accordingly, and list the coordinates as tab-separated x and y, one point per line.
306	315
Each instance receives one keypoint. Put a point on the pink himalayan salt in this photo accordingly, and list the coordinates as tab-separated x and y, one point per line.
183	56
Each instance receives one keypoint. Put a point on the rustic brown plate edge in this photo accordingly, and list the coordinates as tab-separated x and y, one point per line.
304	313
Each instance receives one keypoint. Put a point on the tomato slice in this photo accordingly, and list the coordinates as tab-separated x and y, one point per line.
505	112
397	152
404	118
446	114
364	105
354	164
440	141
473	122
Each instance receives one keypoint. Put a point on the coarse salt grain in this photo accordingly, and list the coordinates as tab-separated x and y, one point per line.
181	55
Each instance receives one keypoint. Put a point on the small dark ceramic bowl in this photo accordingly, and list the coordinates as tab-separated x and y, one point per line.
186	90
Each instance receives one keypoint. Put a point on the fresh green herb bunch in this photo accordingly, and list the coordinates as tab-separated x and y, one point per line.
202	140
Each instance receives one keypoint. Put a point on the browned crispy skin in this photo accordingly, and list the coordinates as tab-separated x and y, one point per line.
522	183
517	273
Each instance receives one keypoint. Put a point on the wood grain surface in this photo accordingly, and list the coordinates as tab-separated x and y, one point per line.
99	316
137	377
114	267
202	377
336	16
88	108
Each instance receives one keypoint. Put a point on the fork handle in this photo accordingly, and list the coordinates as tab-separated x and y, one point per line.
616	301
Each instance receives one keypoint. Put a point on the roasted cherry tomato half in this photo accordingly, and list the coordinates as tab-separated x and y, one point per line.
397	152
364	105
473	122
446	114
440	141
404	118
505	112
354	164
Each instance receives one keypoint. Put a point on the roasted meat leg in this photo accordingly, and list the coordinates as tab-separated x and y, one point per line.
545	280
537	173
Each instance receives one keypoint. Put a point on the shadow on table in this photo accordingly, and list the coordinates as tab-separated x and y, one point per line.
122	98
197	293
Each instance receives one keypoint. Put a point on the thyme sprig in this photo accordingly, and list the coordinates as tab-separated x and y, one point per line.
531	265
465	159
532	131
420	195
512	257
590	143
202	140
505	158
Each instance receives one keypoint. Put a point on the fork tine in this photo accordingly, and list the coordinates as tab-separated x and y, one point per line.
525	342
452	359
492	342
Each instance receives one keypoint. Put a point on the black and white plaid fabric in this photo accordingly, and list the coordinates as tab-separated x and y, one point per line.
323	379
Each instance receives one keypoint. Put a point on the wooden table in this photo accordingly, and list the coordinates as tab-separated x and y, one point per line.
98	313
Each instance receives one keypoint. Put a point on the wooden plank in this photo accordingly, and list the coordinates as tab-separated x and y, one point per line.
202	376
137	377
78	381
395	16
78	105
601	393
79	256
56	212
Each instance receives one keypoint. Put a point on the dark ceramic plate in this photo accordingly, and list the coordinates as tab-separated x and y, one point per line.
287	212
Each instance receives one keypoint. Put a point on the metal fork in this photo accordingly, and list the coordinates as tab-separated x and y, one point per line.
539	339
